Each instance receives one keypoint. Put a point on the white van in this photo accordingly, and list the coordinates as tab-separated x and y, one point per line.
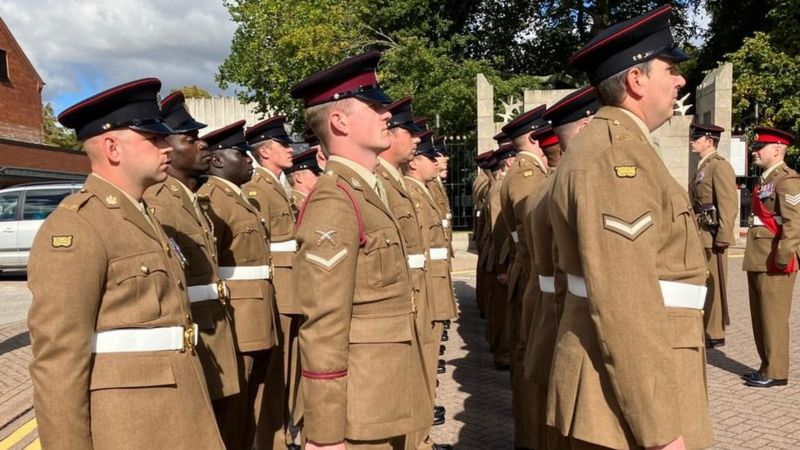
23	208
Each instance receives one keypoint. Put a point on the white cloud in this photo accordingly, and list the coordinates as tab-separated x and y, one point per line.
80	45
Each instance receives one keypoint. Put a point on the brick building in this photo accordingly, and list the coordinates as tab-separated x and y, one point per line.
23	155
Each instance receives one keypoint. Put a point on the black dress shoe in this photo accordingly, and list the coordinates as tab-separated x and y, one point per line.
442	447
293	447
441	368
748	375
445	337
438	420
446	324
764	382
438	411
442	348
713	343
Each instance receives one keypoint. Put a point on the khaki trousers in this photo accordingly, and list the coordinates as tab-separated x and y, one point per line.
497	322
770	305
238	414
276	428
713	319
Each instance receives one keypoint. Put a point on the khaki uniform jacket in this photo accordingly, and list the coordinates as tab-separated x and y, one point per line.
357	346
97	264
781	192
297	200
242	240
500	236
478	184
267	194
525	175
194	235
430	223
439	192
715	184
627	370
480	213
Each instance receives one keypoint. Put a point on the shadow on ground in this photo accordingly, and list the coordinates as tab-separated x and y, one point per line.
15	342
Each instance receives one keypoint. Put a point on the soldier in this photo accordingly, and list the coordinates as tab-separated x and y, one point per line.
525	175
715	201
112	333
244	258
360	354
484	163
273	151
440	193
500	250
174	204
302	177
770	257
629	363
543	299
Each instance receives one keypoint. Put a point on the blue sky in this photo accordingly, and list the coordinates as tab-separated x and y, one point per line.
80	47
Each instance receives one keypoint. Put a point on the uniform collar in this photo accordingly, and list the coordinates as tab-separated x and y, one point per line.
264	170
705	158
186	189
138	204
235	188
535	157
769	171
360	170
391	169
642	127
422	186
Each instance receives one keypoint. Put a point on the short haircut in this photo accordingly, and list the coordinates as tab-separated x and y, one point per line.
611	91
317	118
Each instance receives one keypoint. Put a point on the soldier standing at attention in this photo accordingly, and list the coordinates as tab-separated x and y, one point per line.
273	151
770	257
174	204
525	175
244	259
359	350
629	363
112	333
439	192
715	201
302	177
484	162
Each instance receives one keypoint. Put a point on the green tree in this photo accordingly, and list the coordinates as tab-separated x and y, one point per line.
55	134
193	91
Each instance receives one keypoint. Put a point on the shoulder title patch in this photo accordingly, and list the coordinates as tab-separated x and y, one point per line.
252	193
625	171
527	173
61	241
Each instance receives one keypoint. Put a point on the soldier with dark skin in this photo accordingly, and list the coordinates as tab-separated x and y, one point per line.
770	257
629	362
112	333
244	264
175	205
715	200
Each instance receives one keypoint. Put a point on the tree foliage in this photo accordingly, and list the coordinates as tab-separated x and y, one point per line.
193	91
55	134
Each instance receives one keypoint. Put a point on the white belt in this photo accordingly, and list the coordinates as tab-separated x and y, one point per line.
245	273
144	339
675	294
439	253
416	261
478	214
547	284
445	223
285	246
448	216
203	292
758	223
515	237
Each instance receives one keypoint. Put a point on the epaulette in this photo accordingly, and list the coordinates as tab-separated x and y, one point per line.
74	202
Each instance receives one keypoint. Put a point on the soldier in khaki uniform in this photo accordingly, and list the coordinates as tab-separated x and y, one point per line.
715	201
485	161
273	151
244	259
440	192
497	301
629	363
360	353
543	299
302	177
112	333
174	204
528	171
770	257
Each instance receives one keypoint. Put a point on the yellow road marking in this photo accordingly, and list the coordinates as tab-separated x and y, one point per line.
18	435
35	445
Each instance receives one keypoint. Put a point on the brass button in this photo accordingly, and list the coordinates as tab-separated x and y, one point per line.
145	270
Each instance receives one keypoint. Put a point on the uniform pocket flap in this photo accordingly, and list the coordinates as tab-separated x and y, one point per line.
282	259
763	233
241	289
680	205
127	371
379	240
380	329
140	265
685	328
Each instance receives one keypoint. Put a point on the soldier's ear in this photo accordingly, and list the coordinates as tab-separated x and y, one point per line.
216	161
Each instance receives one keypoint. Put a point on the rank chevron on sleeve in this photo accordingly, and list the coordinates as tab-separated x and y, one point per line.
630	230
793	199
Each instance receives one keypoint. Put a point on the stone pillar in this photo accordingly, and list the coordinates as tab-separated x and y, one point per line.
486	127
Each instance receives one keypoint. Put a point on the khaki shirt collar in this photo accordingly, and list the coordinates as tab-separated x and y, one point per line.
422	186
360	170
769	171
705	158
235	188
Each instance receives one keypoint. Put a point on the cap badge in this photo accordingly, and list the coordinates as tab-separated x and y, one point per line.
106	126
625	171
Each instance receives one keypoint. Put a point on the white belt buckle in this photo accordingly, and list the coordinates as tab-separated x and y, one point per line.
125	340
416	261
547	284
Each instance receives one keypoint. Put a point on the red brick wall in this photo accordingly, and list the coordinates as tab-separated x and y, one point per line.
20	95
34	156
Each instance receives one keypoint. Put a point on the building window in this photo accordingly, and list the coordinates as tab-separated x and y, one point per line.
3	65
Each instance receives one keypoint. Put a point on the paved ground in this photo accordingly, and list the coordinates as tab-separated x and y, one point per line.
476	396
